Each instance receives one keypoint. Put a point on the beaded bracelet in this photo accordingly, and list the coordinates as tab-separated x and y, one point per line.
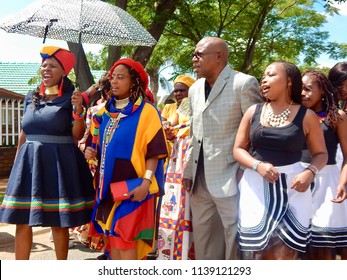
81	116
313	169
85	97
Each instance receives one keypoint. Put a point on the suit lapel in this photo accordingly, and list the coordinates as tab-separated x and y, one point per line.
218	86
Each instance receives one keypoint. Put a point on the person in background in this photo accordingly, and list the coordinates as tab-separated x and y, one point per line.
129	142
169	111
218	99
174	237
329	219
102	90
169	100
50	184
170	114
275	194
338	77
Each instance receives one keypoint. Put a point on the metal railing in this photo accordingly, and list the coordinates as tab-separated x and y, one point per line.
10	121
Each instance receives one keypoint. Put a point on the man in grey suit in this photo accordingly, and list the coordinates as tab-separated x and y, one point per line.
218	101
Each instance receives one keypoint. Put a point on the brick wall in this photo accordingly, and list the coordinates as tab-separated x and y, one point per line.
7	155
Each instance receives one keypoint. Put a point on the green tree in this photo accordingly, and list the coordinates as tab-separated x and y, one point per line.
257	31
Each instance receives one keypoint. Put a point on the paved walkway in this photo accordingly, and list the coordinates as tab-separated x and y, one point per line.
10	229
43	248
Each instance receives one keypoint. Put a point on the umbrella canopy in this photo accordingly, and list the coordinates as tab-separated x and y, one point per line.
79	21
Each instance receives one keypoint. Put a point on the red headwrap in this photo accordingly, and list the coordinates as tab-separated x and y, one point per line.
137	66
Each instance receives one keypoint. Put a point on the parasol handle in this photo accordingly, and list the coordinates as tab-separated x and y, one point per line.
48	25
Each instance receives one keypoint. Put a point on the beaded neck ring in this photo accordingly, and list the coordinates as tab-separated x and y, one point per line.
277	120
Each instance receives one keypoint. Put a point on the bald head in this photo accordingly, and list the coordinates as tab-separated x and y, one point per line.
215	44
210	57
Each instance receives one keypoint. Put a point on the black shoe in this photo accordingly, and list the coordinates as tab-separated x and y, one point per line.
153	255
102	257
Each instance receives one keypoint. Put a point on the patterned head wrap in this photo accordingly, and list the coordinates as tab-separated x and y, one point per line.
65	57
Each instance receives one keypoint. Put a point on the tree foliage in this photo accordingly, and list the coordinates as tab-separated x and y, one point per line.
257	31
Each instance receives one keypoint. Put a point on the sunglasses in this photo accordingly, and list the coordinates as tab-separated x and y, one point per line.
200	55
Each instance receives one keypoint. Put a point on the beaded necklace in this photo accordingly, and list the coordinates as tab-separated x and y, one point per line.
321	116
111	127
277	120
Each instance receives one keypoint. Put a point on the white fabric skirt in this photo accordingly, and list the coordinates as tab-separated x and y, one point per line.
329	219
339	156
273	209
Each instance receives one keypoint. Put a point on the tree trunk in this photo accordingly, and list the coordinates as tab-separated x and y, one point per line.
114	52
164	12
84	77
154	79
254	37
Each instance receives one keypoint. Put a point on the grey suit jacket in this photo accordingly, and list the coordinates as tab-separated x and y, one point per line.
214	125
